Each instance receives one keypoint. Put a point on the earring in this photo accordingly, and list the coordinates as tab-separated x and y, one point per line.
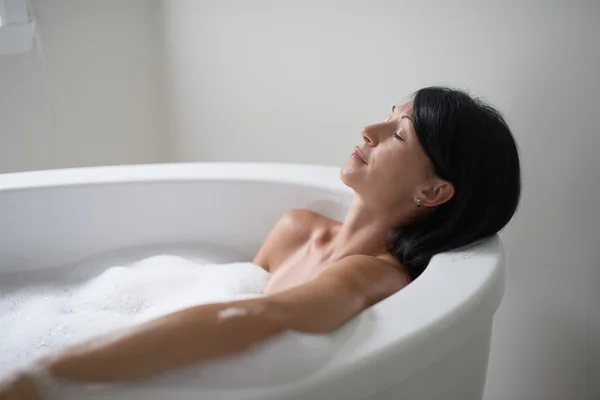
418	200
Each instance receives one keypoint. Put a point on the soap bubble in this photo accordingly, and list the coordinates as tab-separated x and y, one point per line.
39	318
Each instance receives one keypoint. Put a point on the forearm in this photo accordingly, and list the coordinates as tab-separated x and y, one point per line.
176	340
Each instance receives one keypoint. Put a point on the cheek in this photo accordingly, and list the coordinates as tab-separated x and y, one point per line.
402	170
398	162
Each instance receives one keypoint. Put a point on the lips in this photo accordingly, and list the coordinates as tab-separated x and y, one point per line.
358	154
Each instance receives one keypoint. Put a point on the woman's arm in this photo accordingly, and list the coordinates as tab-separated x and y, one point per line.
205	332
175	340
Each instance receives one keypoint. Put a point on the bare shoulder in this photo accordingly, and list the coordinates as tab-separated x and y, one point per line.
375	278
300	221
292	230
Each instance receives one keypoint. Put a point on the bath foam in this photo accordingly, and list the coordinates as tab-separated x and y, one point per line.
38	319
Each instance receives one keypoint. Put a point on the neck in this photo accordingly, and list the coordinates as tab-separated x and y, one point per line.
364	231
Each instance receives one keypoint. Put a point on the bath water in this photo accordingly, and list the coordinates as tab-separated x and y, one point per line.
41	317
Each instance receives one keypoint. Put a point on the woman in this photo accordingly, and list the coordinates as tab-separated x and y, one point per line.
441	171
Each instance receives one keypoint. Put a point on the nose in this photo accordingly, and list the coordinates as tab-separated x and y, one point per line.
371	134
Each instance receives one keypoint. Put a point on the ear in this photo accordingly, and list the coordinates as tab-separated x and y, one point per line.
438	192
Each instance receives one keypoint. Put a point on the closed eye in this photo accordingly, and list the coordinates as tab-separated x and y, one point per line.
398	137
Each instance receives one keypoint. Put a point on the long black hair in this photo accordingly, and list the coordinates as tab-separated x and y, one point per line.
471	146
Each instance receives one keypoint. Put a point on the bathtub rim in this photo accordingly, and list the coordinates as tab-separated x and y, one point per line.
314	175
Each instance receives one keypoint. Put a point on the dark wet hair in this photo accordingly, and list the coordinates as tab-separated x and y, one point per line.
470	145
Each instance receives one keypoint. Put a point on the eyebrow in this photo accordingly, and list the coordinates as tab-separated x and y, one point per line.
403	115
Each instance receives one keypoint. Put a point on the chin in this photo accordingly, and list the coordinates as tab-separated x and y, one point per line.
348	175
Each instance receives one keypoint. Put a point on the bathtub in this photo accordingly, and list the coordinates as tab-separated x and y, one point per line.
429	341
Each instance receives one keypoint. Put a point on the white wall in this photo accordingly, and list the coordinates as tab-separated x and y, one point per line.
295	81
90	94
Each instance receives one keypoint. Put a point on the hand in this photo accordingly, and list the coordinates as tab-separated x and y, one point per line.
20	386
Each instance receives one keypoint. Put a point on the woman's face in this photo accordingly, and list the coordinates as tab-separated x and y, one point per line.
390	166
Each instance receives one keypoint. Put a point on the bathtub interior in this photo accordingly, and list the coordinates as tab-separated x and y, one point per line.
56	219
63	225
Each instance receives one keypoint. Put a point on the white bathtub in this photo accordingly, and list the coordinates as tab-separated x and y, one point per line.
429	341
